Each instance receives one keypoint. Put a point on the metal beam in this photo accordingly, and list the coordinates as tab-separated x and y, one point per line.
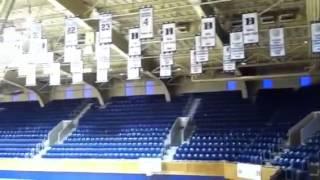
10	78
199	9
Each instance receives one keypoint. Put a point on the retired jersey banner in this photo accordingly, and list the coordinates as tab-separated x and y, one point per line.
277	43
134	62
72	54
103	55
102	75
36	31
54	74
202	53
134	42
228	64
236	46
31	75
165	71
133	73
208	32
315	36
146	23
195	67
250	28
169	37
166	59
71	32
105	28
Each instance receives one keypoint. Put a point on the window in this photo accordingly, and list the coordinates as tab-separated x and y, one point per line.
87	91
305	81
267	83
150	87
32	96
68	93
232	85
129	89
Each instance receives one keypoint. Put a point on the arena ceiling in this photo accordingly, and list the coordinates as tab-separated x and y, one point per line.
294	15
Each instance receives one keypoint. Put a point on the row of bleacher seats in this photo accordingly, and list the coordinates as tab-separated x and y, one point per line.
24	126
128	128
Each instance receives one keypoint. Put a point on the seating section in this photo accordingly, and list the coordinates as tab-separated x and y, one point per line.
24	126
299	157
128	128
228	128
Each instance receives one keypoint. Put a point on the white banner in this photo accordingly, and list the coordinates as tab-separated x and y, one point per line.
31	79
146	23
9	35
208	32
169	37
37	46
150	166
76	67
71	32
102	75
134	42
36	31
165	71
134	62
54	74
250	28
228	64
77	78
72	54
103	55
249	171
277	43
236	46
195	68
133	73
166	59
315	36
105	28
202	53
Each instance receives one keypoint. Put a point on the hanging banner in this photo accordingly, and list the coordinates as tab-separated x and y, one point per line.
102	75
166	59
31	75
195	67
77	78
72	54
277	43
71	32
76	67
202	53
228	64
165	71
36	31
250	28
105	28
54	74
146	23
133	73
315	36
134	42
103	55
9	35
134	62
236	46
208	32
169	37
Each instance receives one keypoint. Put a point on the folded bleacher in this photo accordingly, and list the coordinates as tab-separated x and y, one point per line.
128	128
24	126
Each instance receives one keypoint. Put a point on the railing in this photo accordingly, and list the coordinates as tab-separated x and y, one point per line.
309	124
56	134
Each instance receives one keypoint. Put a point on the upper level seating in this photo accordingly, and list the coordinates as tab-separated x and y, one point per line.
128	128
25	125
229	128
